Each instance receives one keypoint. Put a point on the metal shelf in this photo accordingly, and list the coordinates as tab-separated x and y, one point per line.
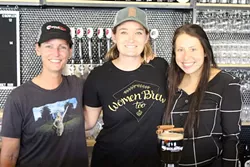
234	65
118	4
97	3
21	3
222	6
245	123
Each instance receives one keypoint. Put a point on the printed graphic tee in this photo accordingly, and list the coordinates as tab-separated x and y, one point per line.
49	124
133	103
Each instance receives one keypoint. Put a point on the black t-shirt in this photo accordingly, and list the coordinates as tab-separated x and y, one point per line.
49	124
133	103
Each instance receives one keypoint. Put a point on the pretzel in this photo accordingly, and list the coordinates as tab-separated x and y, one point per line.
165	127
168	128
176	130
161	128
159	131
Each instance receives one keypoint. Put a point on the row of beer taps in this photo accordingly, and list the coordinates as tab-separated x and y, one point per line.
77	35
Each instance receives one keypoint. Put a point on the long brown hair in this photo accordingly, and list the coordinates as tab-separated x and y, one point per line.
176	74
113	53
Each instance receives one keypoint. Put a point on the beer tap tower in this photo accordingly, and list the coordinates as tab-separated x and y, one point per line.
90	33
79	35
100	35
154	33
108	34
72	63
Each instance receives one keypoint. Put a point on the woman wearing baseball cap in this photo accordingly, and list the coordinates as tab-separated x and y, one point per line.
43	120
131	93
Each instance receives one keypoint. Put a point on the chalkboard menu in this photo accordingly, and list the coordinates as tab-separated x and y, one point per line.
9	49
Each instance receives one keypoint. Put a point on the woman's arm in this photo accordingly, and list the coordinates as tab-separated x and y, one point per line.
230	122
9	151
91	100
91	115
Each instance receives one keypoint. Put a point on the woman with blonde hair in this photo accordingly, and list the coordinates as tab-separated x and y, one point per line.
131	93
34	130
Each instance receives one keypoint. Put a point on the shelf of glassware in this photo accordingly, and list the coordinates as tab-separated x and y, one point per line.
118	4
20	2
221	6
234	65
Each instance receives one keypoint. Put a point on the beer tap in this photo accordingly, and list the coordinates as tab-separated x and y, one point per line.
90	33
72	63
79	35
154	33
100	35
108	34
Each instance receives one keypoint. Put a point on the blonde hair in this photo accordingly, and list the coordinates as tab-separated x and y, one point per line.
113	52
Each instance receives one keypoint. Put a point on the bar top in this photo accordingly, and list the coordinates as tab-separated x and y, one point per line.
90	143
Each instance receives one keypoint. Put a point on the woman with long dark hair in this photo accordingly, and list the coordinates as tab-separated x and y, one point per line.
204	100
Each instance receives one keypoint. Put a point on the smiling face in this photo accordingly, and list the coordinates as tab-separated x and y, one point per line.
189	54
54	54
130	38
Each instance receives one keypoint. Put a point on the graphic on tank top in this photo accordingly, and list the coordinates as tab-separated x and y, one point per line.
137	98
57	118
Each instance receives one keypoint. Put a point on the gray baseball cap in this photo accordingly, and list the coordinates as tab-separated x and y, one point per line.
131	14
